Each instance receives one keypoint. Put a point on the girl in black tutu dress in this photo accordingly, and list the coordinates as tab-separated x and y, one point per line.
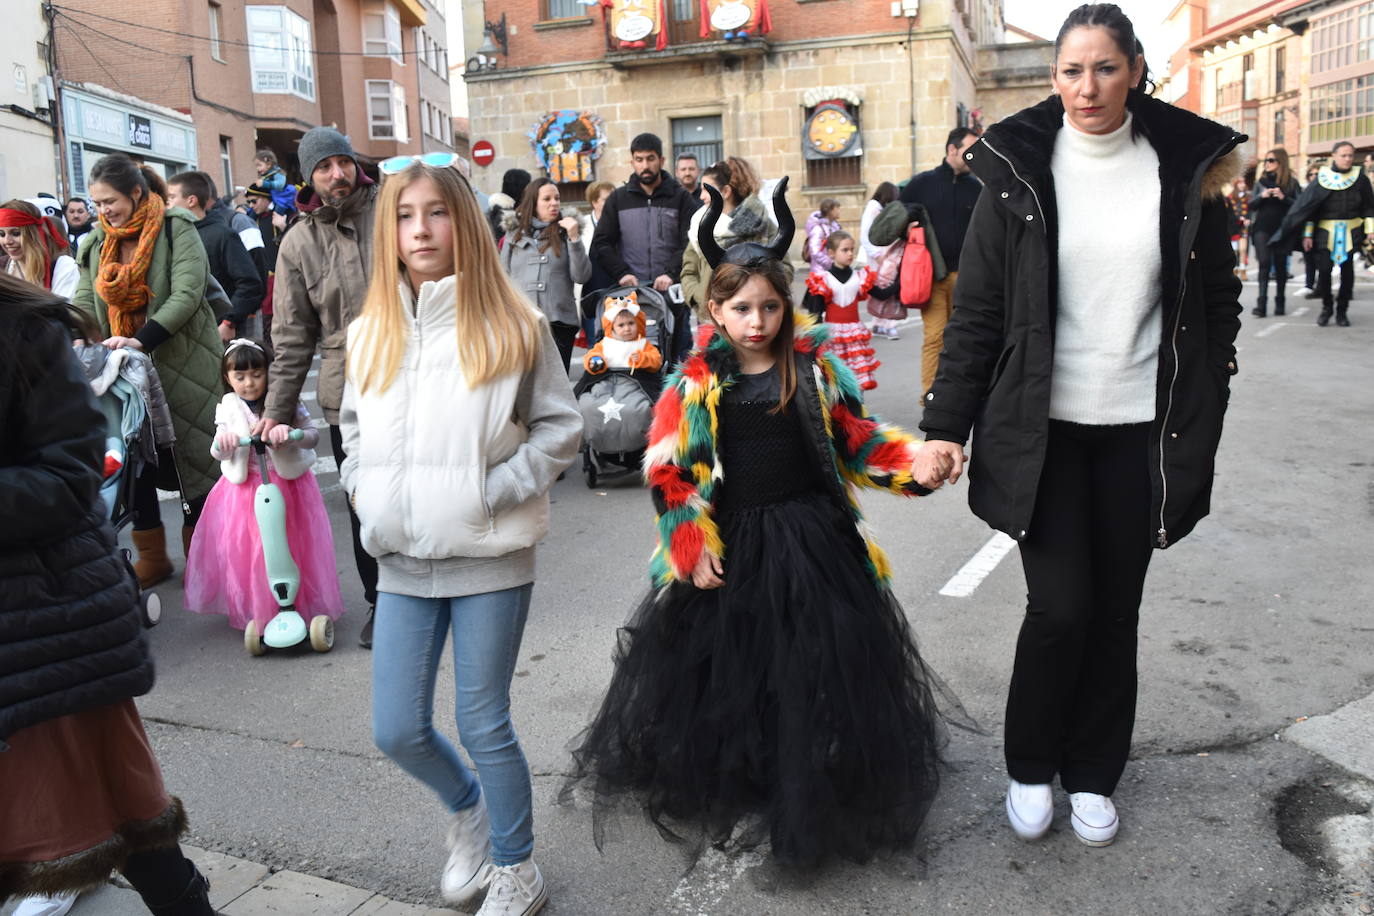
771	671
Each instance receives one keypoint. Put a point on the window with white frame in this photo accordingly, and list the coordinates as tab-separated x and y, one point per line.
281	52
382	30
215	50
386	111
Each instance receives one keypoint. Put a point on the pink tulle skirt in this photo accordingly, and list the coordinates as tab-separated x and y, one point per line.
225	572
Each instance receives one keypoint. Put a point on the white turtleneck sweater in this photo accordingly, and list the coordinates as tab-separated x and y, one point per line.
1106	346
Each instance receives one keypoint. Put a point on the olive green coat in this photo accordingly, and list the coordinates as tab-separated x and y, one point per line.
189	361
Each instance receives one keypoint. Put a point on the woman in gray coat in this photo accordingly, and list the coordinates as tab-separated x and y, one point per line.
545	256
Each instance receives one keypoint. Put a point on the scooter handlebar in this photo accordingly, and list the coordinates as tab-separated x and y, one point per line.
295	434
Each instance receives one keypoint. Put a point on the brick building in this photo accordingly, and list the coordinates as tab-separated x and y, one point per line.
1337	72
902	81
251	74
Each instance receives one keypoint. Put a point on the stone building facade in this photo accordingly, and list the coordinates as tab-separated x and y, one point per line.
27	154
905	81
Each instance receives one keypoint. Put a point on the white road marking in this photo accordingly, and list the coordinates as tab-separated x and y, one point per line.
709	880
1300	311
967	579
1270	328
313	373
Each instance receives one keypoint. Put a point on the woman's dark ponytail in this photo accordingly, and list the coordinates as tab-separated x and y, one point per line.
122	173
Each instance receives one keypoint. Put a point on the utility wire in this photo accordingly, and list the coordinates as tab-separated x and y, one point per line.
224	41
125	41
100	63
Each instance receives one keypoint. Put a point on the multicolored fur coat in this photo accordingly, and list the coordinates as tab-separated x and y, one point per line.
682	463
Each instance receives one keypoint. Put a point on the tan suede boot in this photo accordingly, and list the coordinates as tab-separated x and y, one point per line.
152	565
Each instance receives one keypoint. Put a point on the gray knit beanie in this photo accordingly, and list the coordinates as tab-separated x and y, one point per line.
319	143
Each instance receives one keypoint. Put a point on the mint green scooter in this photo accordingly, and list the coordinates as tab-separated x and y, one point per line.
287	628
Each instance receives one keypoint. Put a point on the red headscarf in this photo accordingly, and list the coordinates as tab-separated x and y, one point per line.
11	219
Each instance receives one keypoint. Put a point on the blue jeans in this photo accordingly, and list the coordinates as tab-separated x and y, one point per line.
407	641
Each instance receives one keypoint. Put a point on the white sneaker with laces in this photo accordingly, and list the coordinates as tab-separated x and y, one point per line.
1094	818
1030	808
513	890
469	851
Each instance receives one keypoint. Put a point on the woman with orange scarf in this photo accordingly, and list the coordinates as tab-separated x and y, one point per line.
143	276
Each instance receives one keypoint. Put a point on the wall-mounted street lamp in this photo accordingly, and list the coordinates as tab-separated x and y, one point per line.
494	38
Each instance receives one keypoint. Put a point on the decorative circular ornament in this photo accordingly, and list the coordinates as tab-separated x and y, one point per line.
831	131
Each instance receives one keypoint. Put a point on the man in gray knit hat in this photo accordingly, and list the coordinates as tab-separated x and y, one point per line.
323	267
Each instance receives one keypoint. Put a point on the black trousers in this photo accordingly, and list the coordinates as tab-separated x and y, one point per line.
1071	707
1347	287
147	513
366	563
1309	263
563	337
1269	257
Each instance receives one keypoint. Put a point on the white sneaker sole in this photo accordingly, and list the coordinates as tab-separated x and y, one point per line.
469	890
1096	837
1024	830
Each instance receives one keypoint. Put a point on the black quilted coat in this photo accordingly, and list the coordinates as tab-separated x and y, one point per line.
71	637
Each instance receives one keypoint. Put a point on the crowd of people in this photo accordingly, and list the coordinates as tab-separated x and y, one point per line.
769	672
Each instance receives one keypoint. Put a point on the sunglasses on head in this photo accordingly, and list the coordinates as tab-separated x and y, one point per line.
440	160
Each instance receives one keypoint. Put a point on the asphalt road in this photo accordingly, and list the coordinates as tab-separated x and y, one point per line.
1262	616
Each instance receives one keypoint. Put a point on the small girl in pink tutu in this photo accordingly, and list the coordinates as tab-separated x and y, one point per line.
225	572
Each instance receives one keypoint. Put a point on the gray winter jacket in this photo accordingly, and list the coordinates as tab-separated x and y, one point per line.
547	279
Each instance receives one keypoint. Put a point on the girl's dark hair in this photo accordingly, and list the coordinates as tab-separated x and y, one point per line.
123	174
241	359
827	204
266	155
551	236
832	241
885	193
27	313
1110	17
728	279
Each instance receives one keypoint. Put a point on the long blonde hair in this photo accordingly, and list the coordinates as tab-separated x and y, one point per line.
497	329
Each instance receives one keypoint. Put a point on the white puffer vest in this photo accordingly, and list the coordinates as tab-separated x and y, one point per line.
426	443
288	461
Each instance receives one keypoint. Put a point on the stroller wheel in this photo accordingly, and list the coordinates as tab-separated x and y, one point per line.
150	607
321	634
252	639
591	474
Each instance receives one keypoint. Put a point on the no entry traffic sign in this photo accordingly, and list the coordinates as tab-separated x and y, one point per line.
483	153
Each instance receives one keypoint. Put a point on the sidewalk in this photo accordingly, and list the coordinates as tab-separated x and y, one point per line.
242	888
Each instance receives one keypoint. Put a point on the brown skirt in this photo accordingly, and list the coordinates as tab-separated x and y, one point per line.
78	795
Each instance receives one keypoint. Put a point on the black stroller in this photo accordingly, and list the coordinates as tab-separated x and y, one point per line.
617	405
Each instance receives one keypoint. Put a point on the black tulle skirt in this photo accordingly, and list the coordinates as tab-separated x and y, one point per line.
793	697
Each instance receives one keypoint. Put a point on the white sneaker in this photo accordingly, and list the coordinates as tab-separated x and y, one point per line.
1094	818
469	851
1030	808
513	890
56	905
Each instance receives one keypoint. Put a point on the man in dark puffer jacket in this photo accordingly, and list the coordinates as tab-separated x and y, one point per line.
82	792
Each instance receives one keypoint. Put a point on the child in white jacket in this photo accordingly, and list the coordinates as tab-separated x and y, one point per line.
457	418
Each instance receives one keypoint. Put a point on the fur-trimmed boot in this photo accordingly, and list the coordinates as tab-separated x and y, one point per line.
152	565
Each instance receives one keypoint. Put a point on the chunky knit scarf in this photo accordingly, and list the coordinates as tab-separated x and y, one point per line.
124	287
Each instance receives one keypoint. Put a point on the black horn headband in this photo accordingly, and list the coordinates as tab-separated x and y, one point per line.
746	252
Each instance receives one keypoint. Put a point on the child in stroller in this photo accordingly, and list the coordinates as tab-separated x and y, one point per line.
621	381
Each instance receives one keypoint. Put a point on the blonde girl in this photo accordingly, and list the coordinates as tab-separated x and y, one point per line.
36	249
452	448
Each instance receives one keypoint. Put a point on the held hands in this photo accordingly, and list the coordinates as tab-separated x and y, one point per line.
708	572
571	226
937	461
277	434
226	330
265	426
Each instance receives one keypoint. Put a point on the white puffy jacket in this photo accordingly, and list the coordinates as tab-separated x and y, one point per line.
437	469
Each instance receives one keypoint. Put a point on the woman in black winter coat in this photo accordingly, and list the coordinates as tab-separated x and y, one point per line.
1273	194
1090	354
80	791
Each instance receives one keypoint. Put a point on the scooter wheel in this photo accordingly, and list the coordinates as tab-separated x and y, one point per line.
321	634
150	607
252	639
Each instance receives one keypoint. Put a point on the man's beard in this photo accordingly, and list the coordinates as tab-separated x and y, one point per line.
648	177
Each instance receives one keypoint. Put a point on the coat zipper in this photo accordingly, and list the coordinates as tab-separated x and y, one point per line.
1162	534
1030	186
